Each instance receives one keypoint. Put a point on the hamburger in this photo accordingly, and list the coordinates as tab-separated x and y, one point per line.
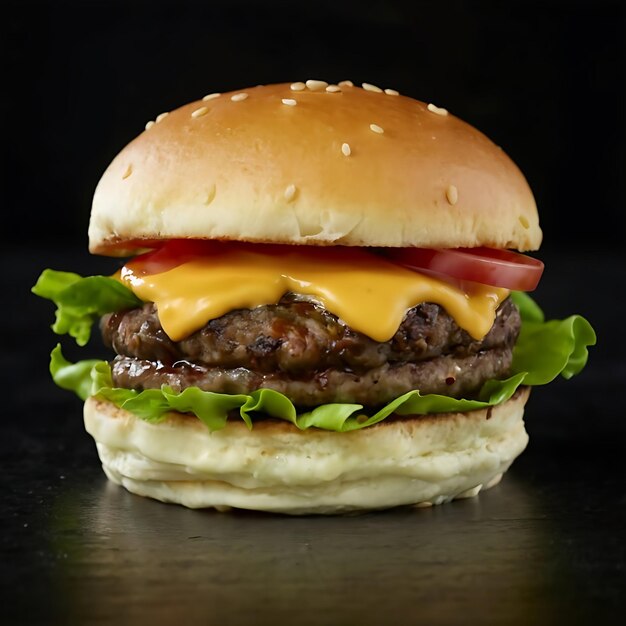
320	305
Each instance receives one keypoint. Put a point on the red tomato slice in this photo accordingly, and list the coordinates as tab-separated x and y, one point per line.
171	254
490	266
499	268
174	252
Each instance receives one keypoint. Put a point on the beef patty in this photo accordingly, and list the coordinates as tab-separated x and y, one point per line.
307	353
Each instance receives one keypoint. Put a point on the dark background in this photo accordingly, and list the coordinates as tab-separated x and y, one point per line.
547	82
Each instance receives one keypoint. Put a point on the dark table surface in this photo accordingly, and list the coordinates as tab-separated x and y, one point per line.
546	546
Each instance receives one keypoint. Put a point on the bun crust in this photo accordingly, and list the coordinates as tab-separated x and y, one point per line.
259	170
420	461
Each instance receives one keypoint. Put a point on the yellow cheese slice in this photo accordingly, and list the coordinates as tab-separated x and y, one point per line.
366	291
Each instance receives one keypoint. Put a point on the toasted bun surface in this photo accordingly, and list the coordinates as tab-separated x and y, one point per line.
260	170
276	467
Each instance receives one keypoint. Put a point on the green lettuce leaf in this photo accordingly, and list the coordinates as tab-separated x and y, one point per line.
81	301
544	350
74	377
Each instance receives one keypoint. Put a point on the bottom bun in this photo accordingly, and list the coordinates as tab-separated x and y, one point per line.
419	460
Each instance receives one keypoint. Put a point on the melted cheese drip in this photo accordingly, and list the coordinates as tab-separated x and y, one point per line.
367	292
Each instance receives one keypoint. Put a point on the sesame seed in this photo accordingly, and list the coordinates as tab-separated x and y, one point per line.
289	102
333	88
316	85
149	125
211	96
161	116
199	112
392	92
297	86
210	194
128	172
377	129
290	192
345	83
369	87
438	110
238	97
345	148
452	194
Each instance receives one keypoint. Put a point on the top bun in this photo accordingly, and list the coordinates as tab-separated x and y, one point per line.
302	165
